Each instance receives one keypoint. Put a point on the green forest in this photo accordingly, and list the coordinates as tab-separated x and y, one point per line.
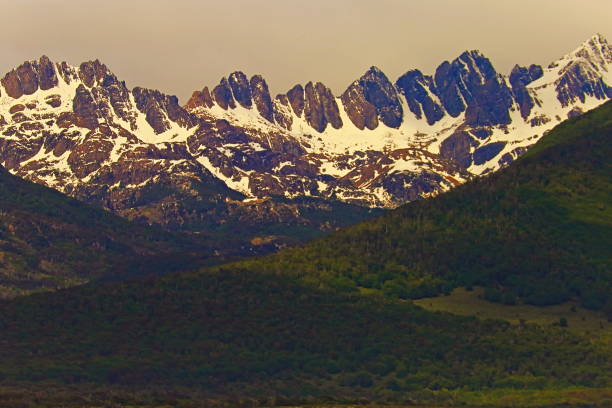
538	232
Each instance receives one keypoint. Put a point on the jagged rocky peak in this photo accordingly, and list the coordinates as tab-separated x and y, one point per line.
201	98
296	99
470	84
30	77
239	84
372	98
222	94
596	50
236	90
420	93
261	97
160	109
95	73
320	107
585	72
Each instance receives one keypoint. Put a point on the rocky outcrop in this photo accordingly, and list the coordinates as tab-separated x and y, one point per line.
29	77
486	152
320	107
420	93
200	99
261	97
520	77
85	108
92	73
470	84
222	95
161	109
458	147
296	99
361	112
373	92
241	89
580	80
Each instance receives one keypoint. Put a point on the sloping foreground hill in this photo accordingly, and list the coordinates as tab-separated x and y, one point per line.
49	241
539	231
235	334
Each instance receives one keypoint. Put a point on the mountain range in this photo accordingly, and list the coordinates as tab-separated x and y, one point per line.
236	161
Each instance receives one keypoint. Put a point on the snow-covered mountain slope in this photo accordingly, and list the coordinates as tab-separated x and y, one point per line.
423	134
138	153
234	150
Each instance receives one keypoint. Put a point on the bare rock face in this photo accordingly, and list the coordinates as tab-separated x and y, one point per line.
320	107
92	72
88	156
222	95
373	92
54	101
361	112
261	97
486	152
457	148
471	84
296	99
47	77
578	82
84	106
29	77
241	90
282	113
157	107
419	91
520	77
67	73
200	99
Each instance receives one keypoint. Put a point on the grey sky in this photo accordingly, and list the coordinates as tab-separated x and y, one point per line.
181	45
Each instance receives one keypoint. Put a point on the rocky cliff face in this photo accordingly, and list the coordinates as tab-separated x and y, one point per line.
466	113
379	144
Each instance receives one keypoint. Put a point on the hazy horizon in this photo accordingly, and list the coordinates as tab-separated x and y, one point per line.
190	44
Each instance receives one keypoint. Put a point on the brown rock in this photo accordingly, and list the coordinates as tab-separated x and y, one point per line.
157	106
296	99
16	108
361	112
200	99
320	107
457	148
46	73
91	72
89	155
66	72
54	101
84	107
261	97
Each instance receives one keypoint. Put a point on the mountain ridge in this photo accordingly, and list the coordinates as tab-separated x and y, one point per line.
140	154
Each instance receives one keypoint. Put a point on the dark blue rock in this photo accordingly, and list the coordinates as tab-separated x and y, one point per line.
485	153
471	84
415	86
520	77
240	88
381	93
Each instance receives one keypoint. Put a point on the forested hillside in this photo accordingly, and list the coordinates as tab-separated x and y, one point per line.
539	231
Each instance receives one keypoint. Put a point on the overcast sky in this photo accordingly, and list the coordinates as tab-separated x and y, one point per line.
181	45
